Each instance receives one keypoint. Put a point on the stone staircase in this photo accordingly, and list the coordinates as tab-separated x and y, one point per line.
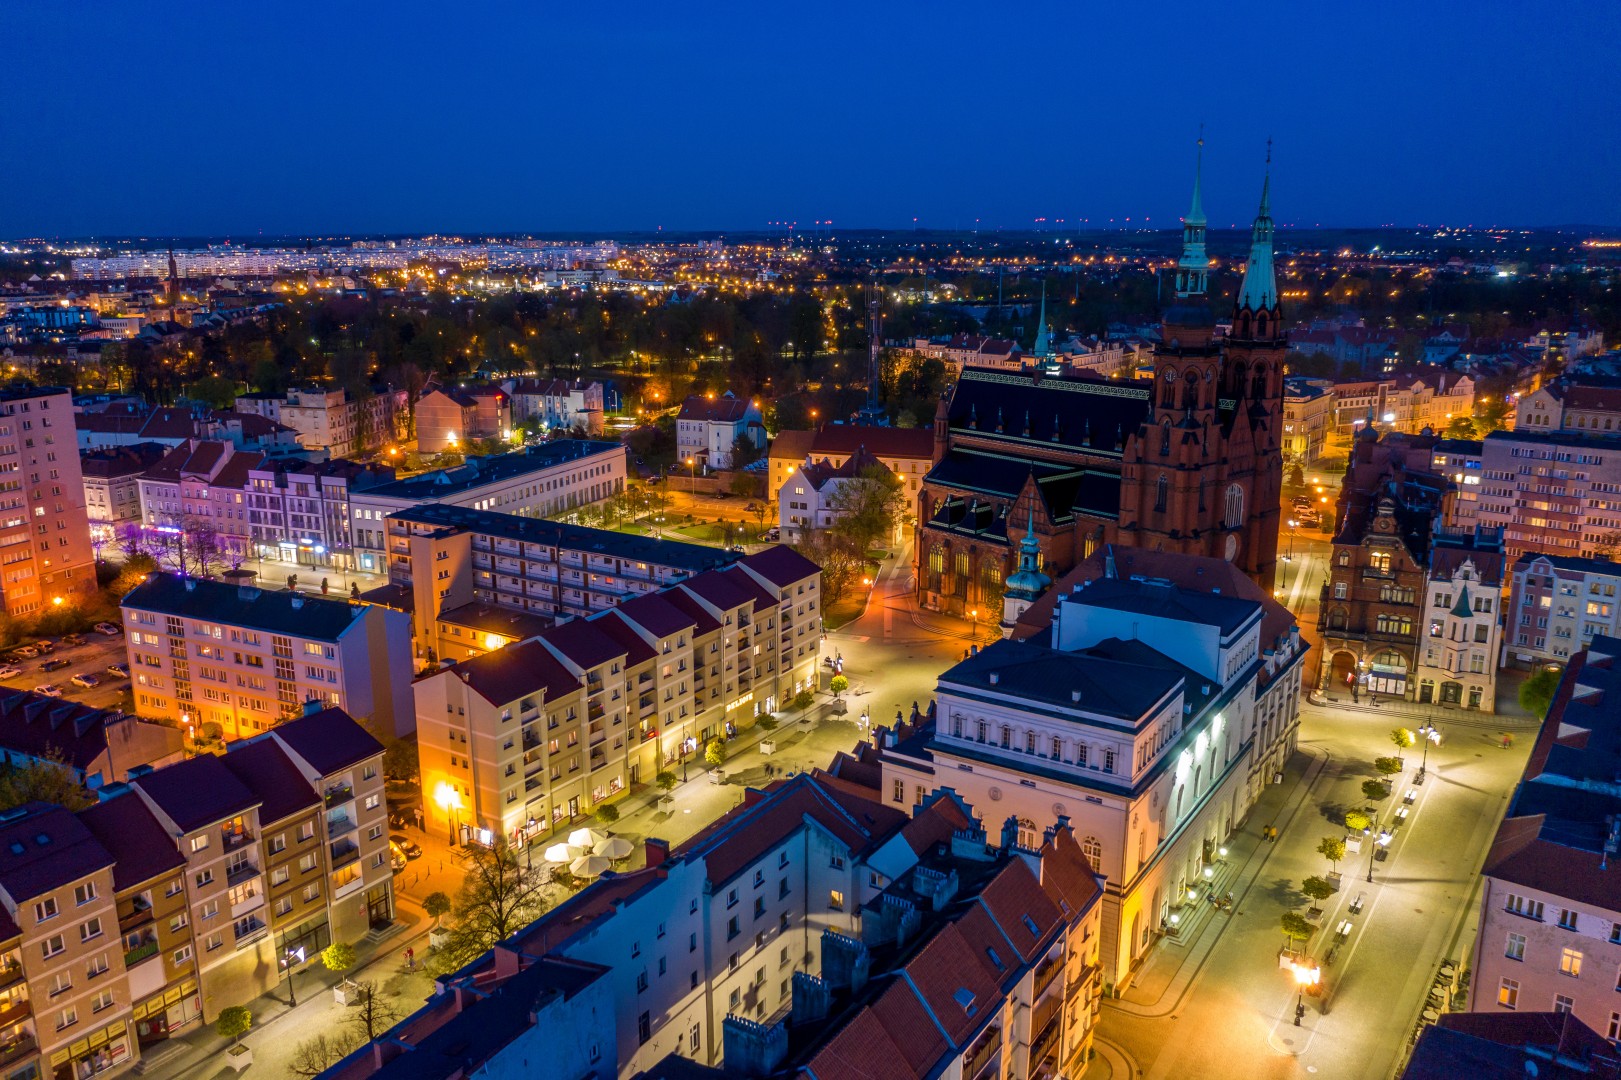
378	934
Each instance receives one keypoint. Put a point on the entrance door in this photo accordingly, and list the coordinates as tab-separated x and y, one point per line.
1343	672
574	807
1426	692
1451	693
378	910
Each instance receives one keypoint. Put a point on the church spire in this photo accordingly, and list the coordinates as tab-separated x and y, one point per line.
1260	290
1193	268
1042	347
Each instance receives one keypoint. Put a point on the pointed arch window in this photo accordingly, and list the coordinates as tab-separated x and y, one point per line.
1162	493
1165	438
1234	514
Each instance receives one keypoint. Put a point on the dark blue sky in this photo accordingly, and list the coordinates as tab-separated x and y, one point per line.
591	115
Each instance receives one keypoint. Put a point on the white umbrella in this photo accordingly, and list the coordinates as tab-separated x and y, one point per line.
562	853
588	866
615	848
586	838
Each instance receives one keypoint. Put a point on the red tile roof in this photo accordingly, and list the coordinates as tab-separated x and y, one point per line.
715	410
910	443
516	670
780	566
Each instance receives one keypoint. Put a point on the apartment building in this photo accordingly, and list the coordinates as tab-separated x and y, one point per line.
810	500
241	659
1552	491
1150	718
199	486
707	429
1459	460
1588	404
449	566
558	403
448	418
1550	914
1405	402
298	511
1557	606
112	490
335	421
533	482
1457	660
98	747
533	736
1308	414
45	552
809	926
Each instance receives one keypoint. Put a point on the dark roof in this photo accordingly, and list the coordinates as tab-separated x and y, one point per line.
197	792
40	727
1066	490
1575	564
718	590
294	614
1031	672
44	847
488	470
512	672
879	441
329	741
1050	413
116	461
497	619
780	566
673	553
583	643
271	775
727	409
654	613
1512	1046
125	826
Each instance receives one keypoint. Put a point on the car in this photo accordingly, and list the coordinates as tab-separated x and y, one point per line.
54	665
10	671
44	645
87	679
48	689
74	639
110	629
773	534
22	652
118	671
411	848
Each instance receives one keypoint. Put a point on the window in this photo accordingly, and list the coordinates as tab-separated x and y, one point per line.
1570	962
67	1017
51	946
1515	950
83	894
1508	994
89	929
1563	1004
198	843
1614	1031
182	955
731	928
641	982
1567	919
1520	905
644	1028
835	900
45	909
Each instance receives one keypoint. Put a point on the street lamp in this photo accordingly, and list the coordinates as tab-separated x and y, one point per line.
692	470
1304	976
1382	840
289	958
1430	734
450	801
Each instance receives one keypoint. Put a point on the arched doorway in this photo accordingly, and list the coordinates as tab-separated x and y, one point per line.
1342	671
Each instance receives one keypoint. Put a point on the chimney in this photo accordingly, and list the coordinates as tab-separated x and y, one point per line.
845	961
312	706
753	1049
812	999
1010	833
191	584
658	851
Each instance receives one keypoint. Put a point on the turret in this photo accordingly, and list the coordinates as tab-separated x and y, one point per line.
1193	268
1255	312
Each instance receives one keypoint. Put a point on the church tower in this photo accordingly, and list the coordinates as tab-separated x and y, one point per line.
1193	268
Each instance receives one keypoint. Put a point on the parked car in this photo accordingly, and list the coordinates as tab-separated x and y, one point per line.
410	848
44	645
48	689
10	671
54	665
110	629
74	639
118	671
22	652
87	679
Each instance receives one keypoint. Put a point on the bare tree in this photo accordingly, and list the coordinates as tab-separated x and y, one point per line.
375	1014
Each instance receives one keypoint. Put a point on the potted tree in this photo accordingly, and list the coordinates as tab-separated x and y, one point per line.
437	906
839	685
1333	849
233	1023
1403	740
1295	928
1317	889
1356	824
340	957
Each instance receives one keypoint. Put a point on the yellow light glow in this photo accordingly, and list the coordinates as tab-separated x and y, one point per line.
494	641
446	795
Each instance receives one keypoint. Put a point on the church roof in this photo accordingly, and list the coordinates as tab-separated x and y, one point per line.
1260	289
1049	413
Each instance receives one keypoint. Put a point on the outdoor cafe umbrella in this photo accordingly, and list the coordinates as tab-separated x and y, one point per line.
613	848
562	853
586	838
588	866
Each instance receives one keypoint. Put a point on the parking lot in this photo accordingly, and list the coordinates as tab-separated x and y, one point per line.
93	657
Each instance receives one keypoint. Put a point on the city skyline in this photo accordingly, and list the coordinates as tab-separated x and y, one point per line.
504	121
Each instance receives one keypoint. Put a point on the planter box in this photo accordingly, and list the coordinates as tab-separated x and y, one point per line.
1334	879
1353	843
239	1058
345	993
437	937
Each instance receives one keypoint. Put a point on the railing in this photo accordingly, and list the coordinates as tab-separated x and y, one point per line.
240	872
341	794
344	852
17	1049
140	916
249	929
235	838
1046	971
139	953
339	826
987	1050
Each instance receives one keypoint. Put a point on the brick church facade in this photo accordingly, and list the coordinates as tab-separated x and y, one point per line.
1190	463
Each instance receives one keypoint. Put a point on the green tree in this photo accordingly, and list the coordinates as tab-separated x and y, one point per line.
498	897
742	484
744	452
1460	427
867	507
607	813
665	780
1317	889
1332	848
1537	692
400	761
1357	821
839	685
233	1023
1374	790
715	753
803	700
1402	739
1295	928
436	905
338	957
1387	766
839	559
47	780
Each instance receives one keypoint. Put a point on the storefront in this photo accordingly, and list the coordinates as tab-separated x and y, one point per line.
306	939
168	1013
93	1055
1387	674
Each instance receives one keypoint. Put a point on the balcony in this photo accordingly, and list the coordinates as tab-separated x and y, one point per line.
144	951
1046	972
344	852
241	872
139	916
339	826
11	972
15	1012
249	930
235	838
17	1049
987	1051
337	795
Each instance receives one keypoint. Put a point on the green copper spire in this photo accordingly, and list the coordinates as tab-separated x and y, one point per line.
1260	289
1193	268
1043	347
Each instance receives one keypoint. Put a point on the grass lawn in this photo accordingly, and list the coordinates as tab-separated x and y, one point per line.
850	605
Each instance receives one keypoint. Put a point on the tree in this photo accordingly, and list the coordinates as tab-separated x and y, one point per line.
1460	427
1375	789
665	780
803	700
1357	821
233	1023
1387	766
1317	889
1403	739
498	897
1295	928
42	780
374	1014
866	507
338	957
837	557
400	760
607	813
436	905
742	484
312	1057
1332	848
838	685
1537	691
715	753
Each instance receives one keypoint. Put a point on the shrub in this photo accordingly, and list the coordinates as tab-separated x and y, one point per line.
436	905
607	813
1375	789
665	780
804	699
1387	766
1357	821
715	753
839	685
338	956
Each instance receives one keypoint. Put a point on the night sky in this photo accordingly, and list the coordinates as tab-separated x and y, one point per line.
344	117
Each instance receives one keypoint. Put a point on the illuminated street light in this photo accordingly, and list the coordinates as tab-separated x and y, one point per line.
450	801
1305	975
1430	734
